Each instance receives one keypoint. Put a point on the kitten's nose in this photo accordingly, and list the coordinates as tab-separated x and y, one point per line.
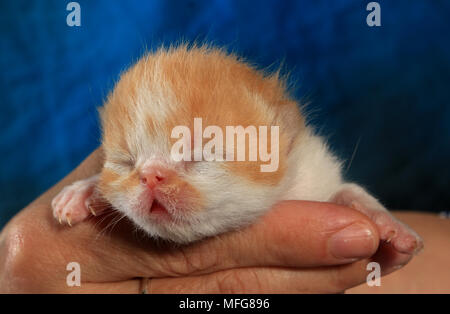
154	175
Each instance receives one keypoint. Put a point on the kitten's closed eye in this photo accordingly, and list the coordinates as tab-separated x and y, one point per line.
131	163
123	163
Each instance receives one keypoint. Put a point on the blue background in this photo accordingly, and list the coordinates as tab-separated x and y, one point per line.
386	88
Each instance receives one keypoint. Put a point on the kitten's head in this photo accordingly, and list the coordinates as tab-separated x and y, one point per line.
148	125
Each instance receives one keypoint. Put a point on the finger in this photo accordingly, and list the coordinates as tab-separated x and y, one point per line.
304	234
293	234
332	279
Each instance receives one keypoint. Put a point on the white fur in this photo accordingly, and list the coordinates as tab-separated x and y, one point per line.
317	171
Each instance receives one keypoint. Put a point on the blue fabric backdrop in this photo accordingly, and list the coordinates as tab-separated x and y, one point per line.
386	88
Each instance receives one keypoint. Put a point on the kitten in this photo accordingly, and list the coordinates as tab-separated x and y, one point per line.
184	201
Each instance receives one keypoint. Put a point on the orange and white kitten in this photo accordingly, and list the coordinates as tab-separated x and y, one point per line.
184	201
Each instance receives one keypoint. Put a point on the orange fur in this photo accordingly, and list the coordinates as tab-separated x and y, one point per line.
210	84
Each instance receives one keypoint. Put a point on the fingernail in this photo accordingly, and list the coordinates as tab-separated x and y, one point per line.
354	242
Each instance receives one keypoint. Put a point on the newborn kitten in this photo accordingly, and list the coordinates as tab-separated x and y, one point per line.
184	201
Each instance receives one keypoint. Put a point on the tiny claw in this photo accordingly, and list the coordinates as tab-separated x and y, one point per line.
59	219
68	221
390	236
92	210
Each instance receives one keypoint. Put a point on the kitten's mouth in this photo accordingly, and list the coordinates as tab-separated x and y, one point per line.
158	209
159	213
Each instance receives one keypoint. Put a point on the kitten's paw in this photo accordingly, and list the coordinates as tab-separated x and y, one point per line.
399	235
74	203
402	238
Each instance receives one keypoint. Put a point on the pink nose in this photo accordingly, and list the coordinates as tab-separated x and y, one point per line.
153	176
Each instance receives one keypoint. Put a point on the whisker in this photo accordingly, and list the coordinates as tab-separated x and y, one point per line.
104	217
111	224
353	155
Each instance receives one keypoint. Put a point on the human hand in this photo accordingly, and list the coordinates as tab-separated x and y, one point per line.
295	248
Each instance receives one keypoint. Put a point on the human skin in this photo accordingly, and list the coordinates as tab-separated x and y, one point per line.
429	272
295	248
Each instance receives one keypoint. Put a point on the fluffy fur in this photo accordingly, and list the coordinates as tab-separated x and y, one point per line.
173	86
